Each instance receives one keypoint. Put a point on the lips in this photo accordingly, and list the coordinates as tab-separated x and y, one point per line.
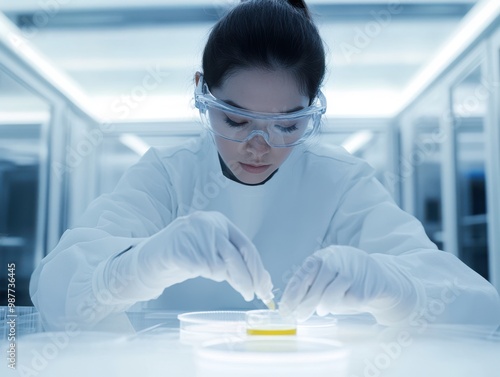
255	169
254	165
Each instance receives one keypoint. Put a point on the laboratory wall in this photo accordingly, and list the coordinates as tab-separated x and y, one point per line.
23	150
38	116
449	163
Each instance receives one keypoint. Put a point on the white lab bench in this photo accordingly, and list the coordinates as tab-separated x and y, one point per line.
155	347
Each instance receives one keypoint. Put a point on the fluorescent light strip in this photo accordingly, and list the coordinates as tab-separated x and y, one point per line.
135	143
14	41
357	141
473	24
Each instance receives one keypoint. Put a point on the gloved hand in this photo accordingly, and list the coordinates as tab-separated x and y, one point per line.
203	244
344	279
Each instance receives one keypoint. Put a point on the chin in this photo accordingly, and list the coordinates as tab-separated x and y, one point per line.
253	179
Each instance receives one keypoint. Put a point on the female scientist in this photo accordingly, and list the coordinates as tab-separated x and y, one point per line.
255	203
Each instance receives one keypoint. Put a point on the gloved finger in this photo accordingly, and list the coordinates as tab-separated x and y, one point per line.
315	293
235	268
333	298
261	279
298	286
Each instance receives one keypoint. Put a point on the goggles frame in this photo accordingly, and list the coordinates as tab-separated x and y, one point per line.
204	100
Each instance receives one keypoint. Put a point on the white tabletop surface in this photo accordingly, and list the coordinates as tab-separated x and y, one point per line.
151	344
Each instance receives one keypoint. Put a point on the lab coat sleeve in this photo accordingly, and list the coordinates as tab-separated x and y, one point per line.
63	286
449	291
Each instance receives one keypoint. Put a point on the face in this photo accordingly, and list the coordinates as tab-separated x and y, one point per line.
254	161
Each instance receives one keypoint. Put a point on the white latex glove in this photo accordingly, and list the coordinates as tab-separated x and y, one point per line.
344	279
203	244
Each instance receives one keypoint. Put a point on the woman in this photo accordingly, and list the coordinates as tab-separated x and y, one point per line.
254	203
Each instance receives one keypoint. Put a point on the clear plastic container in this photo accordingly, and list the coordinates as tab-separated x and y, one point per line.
201	326
279	349
321	327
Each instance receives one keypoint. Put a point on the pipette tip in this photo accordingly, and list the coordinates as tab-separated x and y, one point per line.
270	304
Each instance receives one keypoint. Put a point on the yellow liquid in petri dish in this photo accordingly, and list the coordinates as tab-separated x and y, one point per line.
272	331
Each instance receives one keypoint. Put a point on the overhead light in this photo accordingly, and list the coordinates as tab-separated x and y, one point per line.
473	24
358	141
135	143
361	103
26	55
154	107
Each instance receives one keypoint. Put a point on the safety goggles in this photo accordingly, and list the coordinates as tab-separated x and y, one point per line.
278	129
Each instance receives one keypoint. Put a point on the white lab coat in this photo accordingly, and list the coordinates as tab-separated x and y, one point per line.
320	196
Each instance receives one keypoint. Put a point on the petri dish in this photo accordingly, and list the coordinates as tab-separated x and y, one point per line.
196	327
269	322
200	326
279	349
318	326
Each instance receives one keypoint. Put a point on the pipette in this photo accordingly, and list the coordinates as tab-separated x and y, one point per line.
270	304
268	300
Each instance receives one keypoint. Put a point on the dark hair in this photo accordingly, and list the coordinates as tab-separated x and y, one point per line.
267	34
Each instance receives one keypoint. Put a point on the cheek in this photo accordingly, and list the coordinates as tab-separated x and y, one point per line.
227	149
281	154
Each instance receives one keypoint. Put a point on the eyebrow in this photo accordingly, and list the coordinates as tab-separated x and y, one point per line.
229	102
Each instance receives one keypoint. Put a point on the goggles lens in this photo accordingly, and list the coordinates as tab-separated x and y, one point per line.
278	129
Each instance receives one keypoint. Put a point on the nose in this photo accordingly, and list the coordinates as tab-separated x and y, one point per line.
257	145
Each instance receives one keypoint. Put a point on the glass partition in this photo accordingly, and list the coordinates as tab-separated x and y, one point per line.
421	162
126	144
492	127
428	173
23	150
469	99
371	140
455	116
